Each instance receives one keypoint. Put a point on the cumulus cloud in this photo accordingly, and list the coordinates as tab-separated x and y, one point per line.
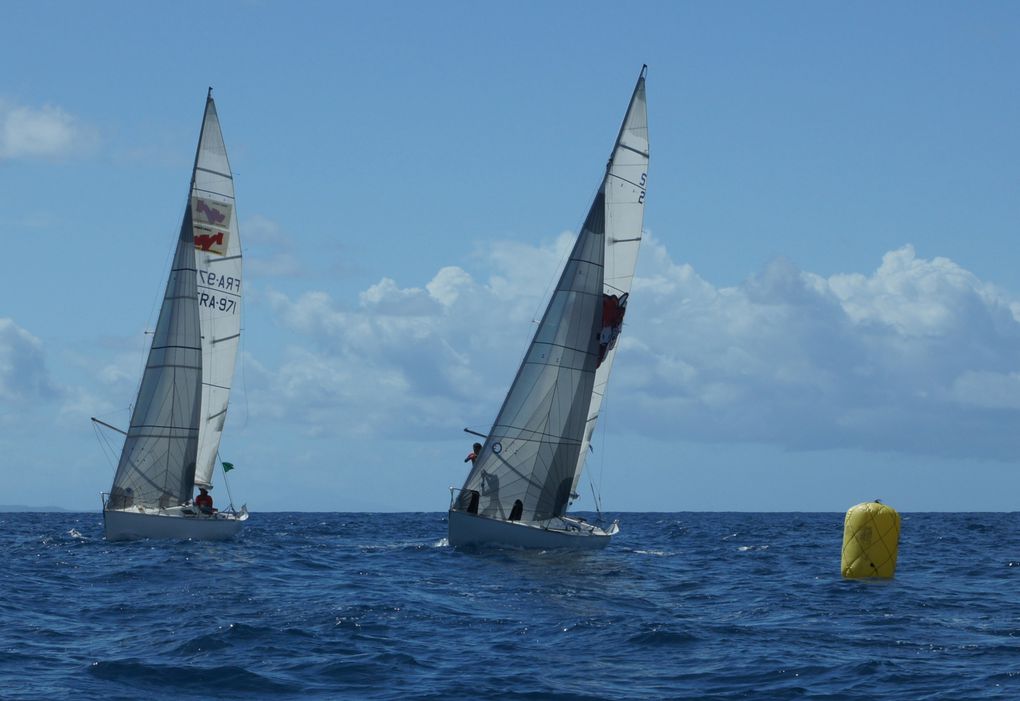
423	360
919	356
23	374
45	132
910	358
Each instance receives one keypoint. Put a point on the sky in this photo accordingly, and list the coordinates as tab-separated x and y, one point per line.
826	309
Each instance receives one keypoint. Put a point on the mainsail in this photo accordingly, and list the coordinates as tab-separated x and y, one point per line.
157	463
626	179
218	262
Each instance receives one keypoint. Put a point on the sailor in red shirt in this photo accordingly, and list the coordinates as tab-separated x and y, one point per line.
476	449
203	501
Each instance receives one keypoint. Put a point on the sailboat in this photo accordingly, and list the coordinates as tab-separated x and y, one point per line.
526	474
173	440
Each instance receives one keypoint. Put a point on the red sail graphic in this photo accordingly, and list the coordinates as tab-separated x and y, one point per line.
207	241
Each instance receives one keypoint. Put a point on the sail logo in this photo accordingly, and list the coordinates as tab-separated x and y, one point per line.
613	309
205	211
214	215
206	214
211	240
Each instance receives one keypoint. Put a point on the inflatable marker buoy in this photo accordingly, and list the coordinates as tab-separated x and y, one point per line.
871	536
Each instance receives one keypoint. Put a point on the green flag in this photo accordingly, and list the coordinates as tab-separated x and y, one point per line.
228	466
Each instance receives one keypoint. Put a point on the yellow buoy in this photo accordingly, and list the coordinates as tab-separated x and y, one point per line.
871	536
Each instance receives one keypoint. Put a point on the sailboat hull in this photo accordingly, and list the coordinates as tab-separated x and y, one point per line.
171	524
467	529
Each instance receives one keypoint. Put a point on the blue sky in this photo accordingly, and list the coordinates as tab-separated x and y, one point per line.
827	308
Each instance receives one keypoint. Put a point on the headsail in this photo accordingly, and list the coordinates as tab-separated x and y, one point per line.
531	451
626	179
157	463
218	262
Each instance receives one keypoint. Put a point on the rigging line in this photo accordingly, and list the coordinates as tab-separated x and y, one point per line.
242	344
595	498
602	459
160	293
105	446
226	484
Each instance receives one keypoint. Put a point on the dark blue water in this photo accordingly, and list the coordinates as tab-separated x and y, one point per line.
376	606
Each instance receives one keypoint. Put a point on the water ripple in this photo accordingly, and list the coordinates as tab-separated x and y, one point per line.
378	606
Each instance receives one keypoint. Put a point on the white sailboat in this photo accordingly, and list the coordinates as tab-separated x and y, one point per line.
526	474
177	422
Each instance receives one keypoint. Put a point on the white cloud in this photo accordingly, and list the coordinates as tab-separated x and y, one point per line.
46	132
919	356
424	361
906	359
23	374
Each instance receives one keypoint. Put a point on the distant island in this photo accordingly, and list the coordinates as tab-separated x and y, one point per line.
17	508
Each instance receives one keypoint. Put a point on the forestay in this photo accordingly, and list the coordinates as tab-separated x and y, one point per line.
157	463
218	262
533	446
626	180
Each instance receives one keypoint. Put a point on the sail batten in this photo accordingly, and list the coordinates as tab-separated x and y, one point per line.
216	172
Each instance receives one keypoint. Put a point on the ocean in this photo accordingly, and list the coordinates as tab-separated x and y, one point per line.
377	606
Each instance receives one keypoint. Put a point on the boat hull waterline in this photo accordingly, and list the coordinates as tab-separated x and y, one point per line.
466	529
173	524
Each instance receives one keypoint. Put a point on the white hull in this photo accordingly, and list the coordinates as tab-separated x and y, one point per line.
175	524
566	532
